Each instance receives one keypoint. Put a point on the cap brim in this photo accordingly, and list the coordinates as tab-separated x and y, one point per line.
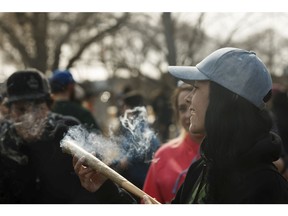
16	98
187	74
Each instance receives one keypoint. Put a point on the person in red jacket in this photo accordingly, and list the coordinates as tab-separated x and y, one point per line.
171	161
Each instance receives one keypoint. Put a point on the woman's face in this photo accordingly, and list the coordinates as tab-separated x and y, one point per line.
199	98
183	110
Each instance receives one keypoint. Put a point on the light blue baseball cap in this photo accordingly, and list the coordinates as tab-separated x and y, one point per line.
238	70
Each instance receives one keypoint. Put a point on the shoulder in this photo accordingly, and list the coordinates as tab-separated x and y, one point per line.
270	178
269	186
78	107
170	145
69	107
58	125
64	119
163	153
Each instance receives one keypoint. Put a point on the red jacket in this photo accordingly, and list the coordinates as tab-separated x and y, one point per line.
168	168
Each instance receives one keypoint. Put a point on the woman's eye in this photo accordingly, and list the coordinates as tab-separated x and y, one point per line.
182	109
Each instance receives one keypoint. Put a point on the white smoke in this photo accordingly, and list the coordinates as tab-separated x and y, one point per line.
134	140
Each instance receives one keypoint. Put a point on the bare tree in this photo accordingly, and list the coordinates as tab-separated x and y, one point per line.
27	34
169	36
191	40
135	47
108	31
38	38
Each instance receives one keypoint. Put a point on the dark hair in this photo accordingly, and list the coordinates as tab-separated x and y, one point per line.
133	99
233	126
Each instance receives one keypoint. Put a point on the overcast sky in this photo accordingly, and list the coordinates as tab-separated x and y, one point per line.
145	5
216	25
231	11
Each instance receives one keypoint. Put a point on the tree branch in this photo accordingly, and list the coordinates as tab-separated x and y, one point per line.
65	37
39	25
15	42
97	37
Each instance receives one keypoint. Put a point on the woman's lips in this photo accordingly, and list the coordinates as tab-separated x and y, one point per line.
192	112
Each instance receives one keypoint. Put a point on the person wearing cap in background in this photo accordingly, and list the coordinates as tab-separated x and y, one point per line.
231	88
63	87
33	168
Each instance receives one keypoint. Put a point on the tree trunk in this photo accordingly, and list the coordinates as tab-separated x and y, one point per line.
169	35
39	28
170	42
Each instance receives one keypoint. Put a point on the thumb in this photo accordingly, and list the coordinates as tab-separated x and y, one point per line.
146	199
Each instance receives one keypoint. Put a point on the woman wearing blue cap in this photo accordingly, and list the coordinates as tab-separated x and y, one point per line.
231	88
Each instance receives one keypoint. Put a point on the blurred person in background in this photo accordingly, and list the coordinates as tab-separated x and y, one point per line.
163	114
172	160
3	108
33	168
63	87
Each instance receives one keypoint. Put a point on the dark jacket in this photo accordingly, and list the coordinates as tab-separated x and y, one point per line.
257	180
70	108
38	172
139	158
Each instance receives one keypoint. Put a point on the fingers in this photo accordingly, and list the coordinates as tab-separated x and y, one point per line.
86	172
146	199
86	177
78	163
76	159
81	170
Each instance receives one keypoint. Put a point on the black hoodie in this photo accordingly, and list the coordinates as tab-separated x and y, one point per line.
255	178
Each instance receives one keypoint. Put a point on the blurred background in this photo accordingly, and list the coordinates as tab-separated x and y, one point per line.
110	53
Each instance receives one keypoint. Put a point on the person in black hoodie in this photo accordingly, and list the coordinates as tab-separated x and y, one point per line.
227	104
33	168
